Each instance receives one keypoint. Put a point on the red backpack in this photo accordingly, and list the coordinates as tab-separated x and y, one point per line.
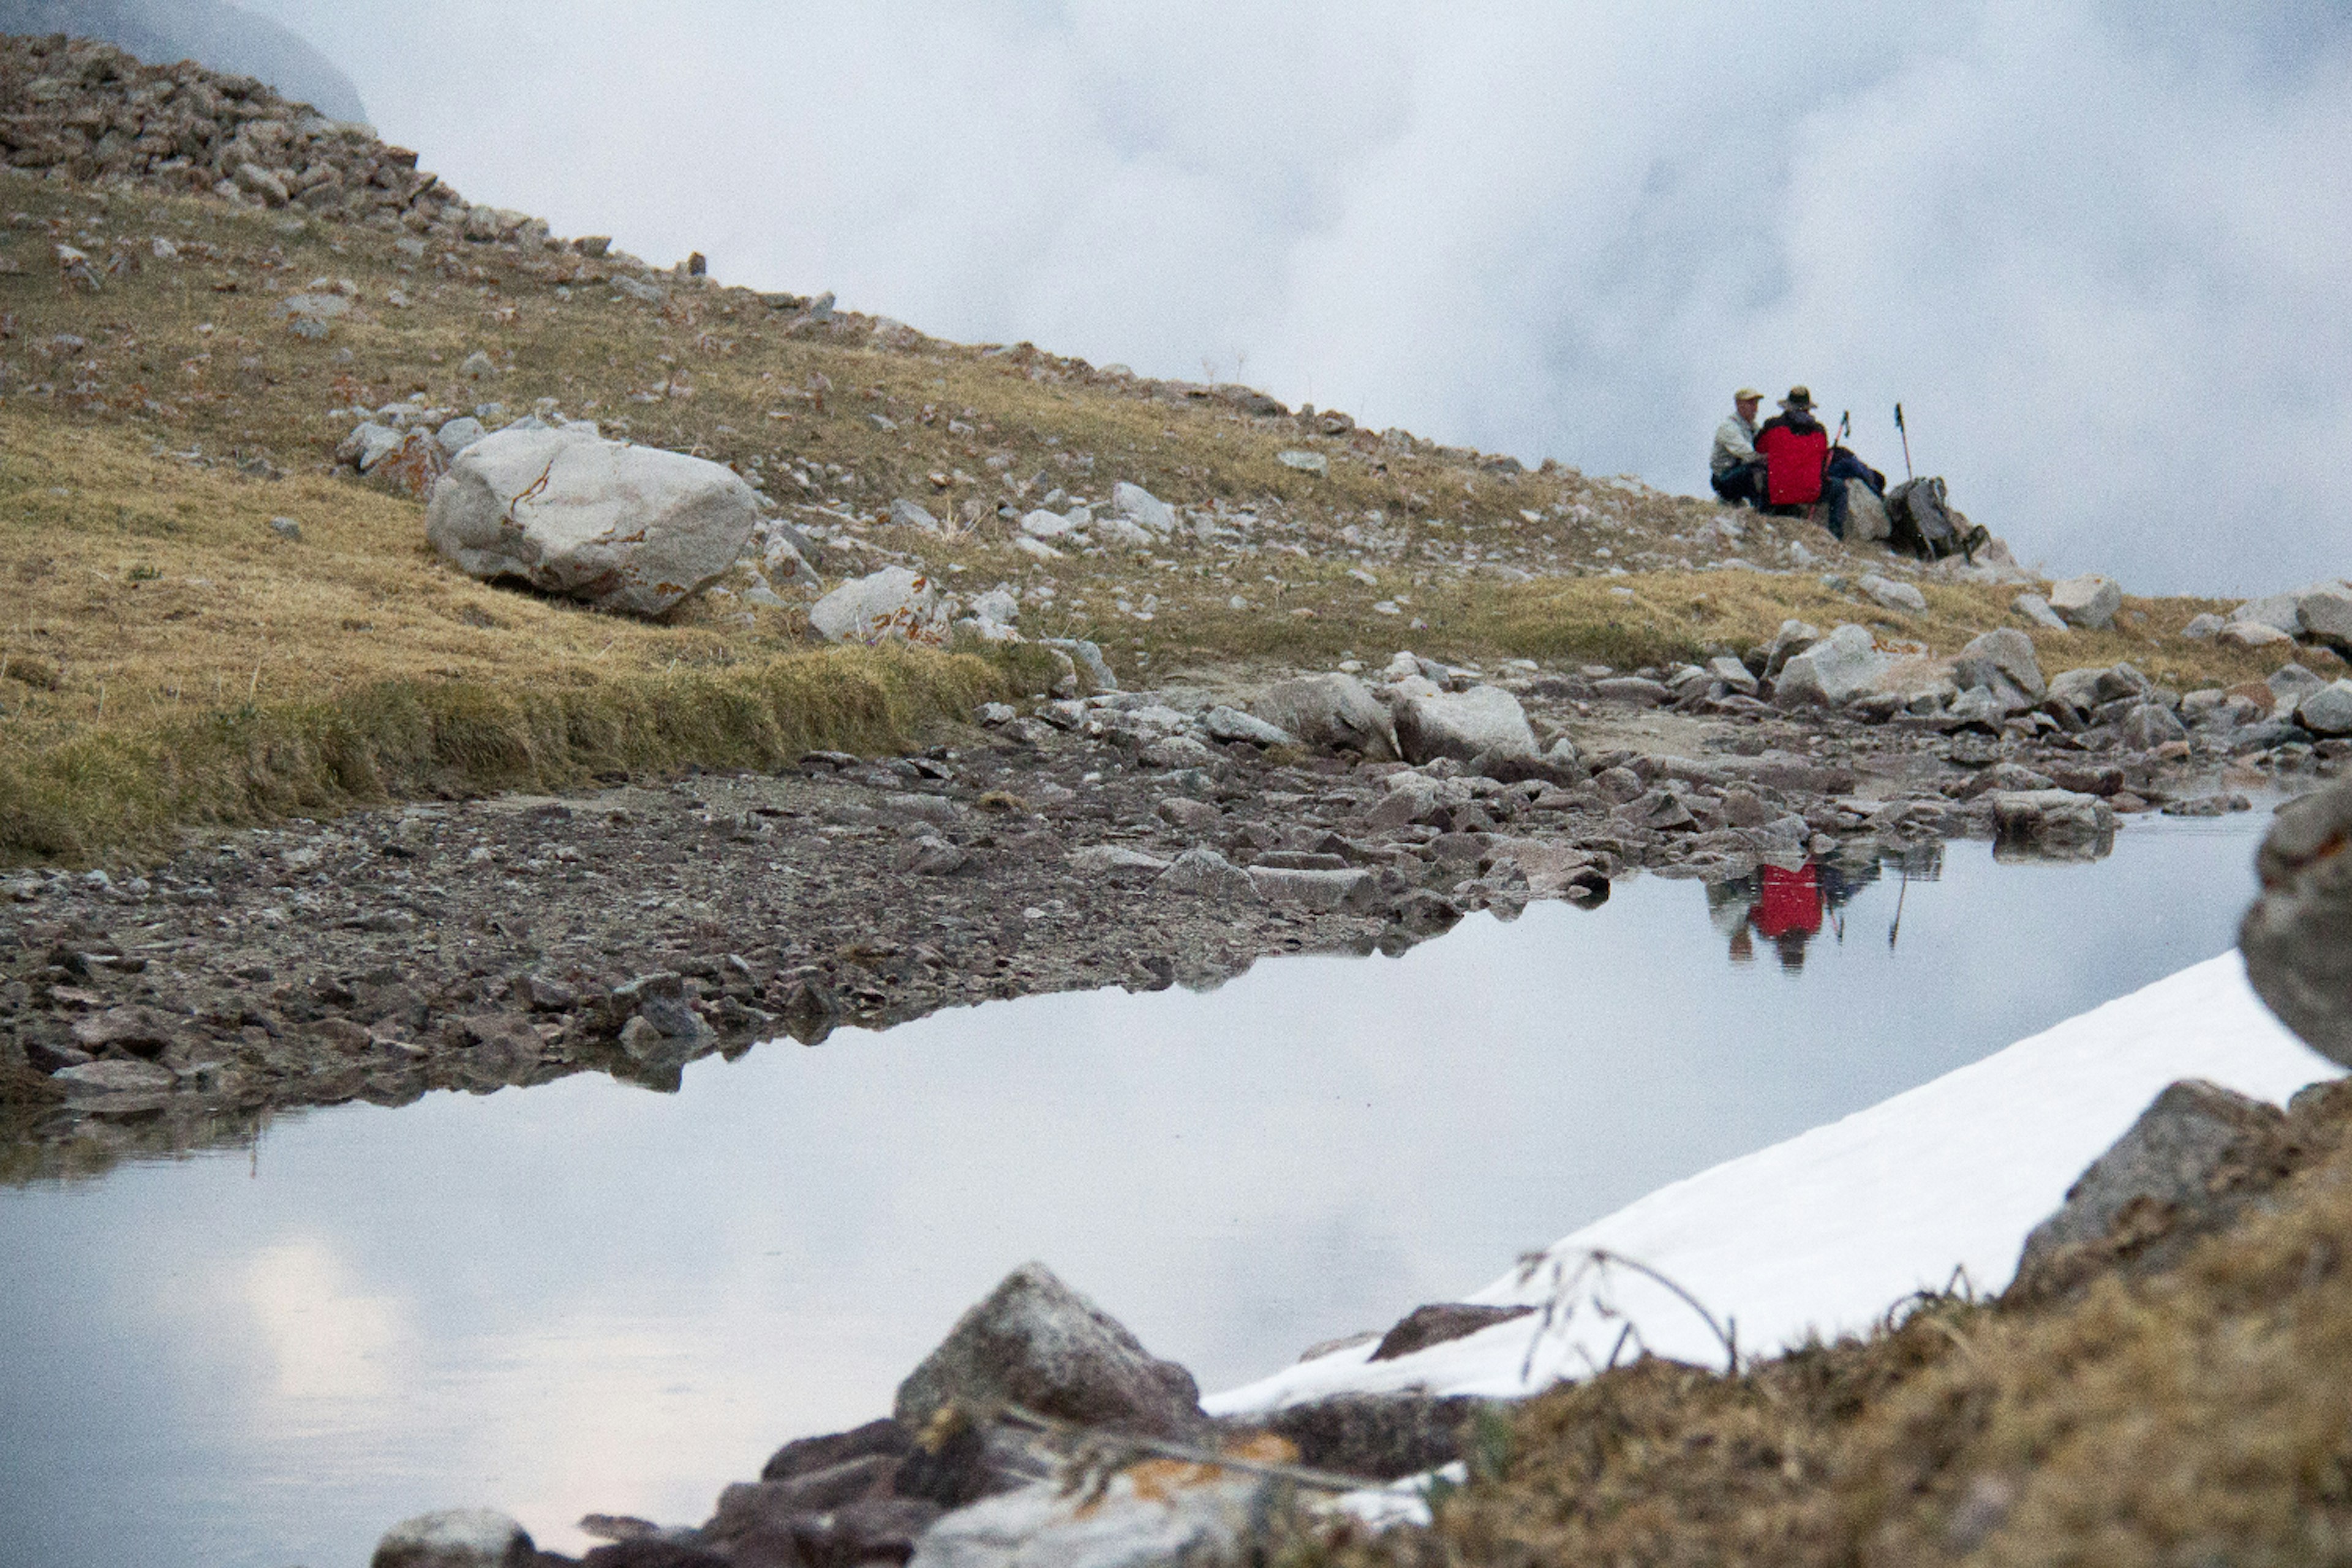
1794	461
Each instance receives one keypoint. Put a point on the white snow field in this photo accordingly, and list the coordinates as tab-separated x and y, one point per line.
1823	1234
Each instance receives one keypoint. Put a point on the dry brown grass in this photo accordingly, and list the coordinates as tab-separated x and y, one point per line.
186	665
2197	1414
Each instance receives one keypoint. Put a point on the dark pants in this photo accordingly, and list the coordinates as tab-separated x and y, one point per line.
1845	466
1742	486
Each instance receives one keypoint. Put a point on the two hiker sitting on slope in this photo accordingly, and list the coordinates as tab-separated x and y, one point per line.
1787	464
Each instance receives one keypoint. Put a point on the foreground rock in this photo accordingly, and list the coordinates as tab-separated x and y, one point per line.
2172	1162
1158	1512
1037	1344
626	528
2297	937
455	1538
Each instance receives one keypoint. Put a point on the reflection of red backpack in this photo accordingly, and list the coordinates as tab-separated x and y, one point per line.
1791	901
1794	461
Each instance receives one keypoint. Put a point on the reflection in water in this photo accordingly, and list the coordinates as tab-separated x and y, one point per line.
1788	906
585	1296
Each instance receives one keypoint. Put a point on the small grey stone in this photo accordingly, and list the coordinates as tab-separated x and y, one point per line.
286	528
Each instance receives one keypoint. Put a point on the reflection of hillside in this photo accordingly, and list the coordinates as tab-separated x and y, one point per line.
67	1150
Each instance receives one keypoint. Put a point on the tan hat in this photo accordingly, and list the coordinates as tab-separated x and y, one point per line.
1799	398
1747	394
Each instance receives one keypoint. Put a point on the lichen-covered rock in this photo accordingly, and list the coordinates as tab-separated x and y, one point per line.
626	528
455	1538
1035	1342
2297	937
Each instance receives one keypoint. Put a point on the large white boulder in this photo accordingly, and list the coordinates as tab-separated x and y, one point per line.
624	528
1842	665
894	605
1462	724
2089	602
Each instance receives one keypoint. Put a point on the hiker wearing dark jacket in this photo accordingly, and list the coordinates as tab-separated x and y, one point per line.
1796	452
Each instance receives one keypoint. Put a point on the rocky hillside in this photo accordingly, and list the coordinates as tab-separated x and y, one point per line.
238	340
221	36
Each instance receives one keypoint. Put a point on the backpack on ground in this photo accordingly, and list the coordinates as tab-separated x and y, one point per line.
1923	521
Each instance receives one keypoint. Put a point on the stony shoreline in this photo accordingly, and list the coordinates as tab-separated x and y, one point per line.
1114	840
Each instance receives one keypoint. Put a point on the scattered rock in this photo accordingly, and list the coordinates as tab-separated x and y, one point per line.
892	604
1438	1323
1333	711
1894	595
1035	1342
2011	652
2050	816
1843	666
1462	724
624	527
905	513
102	1079
1224	723
1312	889
2035	610
2252	634
2088	601
136	1031
1101	858
1202	871
1088	658
2326	709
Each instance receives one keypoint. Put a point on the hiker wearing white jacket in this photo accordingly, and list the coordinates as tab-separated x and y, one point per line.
1734	466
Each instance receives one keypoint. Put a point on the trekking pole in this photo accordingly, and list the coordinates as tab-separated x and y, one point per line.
1901	893
1899	430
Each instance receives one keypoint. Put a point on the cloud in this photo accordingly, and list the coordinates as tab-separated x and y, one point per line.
2095	249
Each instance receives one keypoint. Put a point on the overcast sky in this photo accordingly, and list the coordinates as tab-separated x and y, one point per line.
2099	251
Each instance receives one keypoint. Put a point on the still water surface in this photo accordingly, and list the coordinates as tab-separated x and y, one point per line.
585	1296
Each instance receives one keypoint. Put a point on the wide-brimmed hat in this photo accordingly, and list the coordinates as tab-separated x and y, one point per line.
1799	398
1747	394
